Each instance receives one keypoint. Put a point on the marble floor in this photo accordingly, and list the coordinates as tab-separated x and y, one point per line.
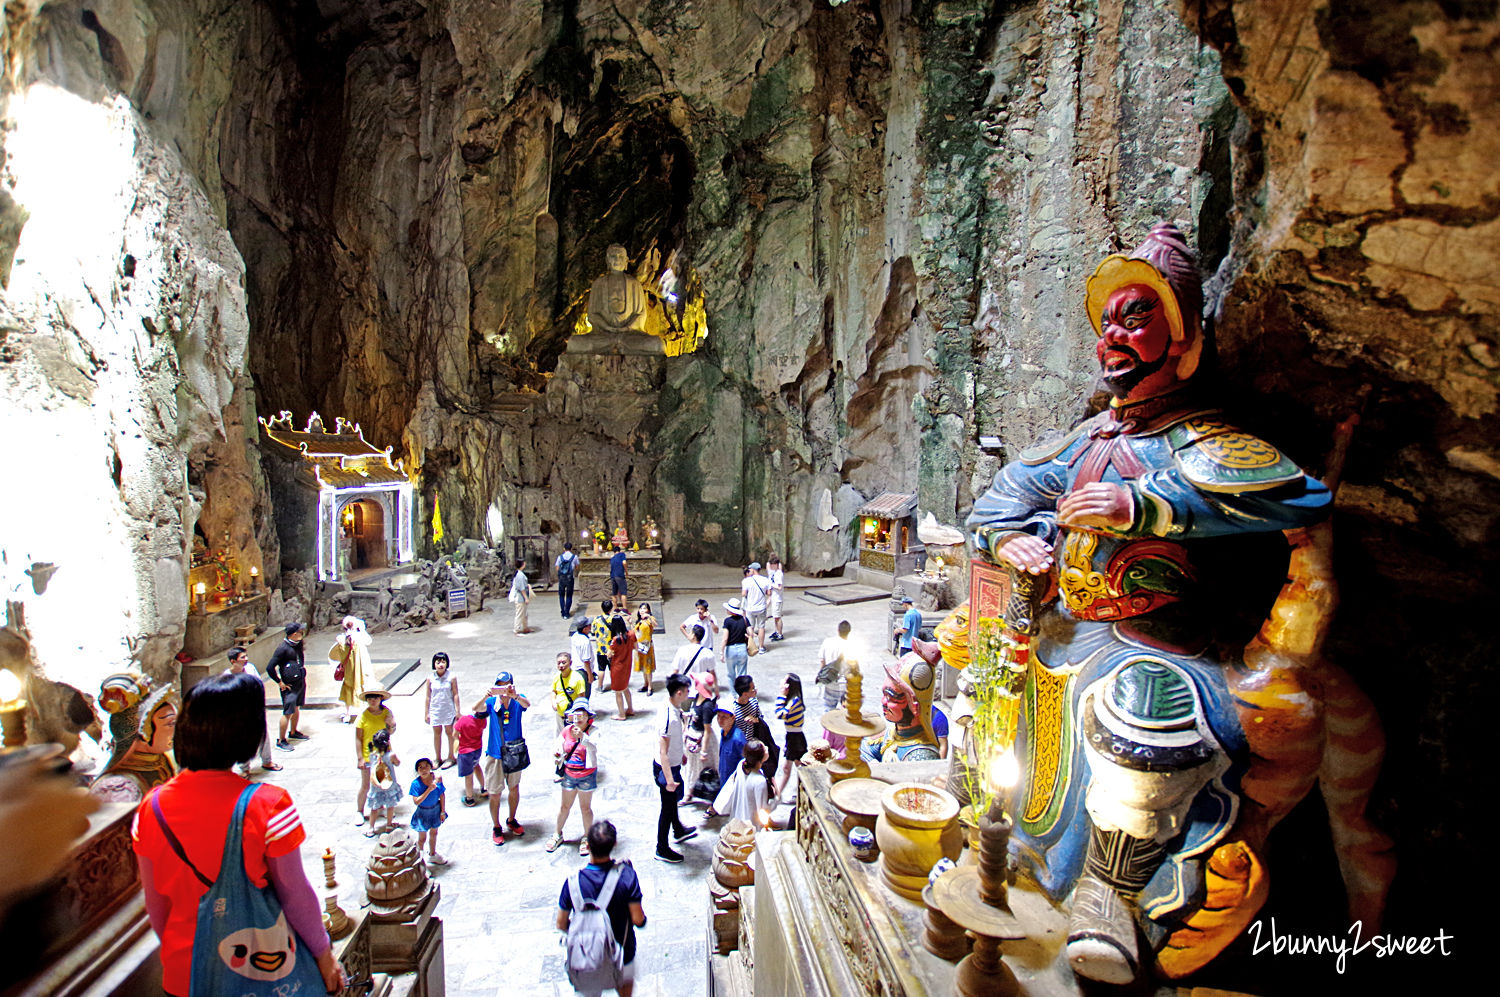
498	903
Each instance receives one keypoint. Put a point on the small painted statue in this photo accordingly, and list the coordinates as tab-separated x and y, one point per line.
621	539
1153	767
142	724
906	701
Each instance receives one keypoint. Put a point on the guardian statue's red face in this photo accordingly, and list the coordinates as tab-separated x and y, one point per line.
1135	347
898	704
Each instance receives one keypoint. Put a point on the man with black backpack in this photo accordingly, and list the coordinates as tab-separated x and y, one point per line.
601	926
567	571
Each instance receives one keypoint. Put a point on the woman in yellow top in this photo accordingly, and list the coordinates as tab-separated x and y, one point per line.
375	718
645	653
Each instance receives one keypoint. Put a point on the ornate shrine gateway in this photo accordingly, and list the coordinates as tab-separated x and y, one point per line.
1152	769
362	506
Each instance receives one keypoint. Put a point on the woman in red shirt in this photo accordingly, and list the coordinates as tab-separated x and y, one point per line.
222	721
621	650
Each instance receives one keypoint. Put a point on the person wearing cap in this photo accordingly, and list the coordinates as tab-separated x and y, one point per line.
731	745
567	688
579	761
735	646
504	707
911	622
755	590
581	646
288	669
375	717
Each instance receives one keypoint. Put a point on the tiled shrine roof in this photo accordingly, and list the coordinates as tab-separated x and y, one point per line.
889	505
341	459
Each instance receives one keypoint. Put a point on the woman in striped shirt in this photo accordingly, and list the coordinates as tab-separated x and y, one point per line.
790	711
579	758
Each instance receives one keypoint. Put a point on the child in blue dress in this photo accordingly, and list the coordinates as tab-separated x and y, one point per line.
385	785
432	809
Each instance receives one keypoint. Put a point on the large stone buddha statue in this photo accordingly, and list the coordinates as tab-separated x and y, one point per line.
618	311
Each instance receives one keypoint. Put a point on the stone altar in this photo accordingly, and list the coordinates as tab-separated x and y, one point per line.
642	578
213	631
825	926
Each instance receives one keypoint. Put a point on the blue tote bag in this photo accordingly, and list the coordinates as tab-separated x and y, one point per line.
243	946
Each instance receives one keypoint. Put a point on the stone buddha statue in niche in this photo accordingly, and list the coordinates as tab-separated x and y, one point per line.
619	312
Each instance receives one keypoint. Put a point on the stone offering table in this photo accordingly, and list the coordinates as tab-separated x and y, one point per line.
642	572
211	632
825	925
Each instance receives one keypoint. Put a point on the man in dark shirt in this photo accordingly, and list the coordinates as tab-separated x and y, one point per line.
617	582
288	669
624	909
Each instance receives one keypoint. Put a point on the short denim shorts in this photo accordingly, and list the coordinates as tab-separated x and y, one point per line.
584	783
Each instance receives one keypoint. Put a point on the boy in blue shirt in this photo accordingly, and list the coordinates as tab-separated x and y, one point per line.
911	622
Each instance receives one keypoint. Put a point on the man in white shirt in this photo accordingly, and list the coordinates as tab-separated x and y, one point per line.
666	770
239	664
830	676
581	646
777	578
703	618
754	590
694	655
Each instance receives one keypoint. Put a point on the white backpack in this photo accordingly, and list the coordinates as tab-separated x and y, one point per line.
595	960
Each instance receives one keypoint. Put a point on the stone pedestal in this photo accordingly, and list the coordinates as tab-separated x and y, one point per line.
628	344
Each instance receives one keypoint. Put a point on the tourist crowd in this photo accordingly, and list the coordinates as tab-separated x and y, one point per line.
710	746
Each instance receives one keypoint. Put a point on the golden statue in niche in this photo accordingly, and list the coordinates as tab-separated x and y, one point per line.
654	311
617	301
619	313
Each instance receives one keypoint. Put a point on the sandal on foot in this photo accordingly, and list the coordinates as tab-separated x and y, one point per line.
555	843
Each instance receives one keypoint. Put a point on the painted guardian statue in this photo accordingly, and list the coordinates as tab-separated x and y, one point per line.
906	704
1152	768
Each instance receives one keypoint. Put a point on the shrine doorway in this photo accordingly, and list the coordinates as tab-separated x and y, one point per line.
367	531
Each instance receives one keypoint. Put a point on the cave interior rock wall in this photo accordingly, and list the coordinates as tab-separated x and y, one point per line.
391	211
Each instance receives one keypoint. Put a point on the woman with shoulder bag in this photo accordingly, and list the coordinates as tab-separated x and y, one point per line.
219	861
578	764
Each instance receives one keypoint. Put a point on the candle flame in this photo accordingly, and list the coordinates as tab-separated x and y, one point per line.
10	686
1005	771
763	817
